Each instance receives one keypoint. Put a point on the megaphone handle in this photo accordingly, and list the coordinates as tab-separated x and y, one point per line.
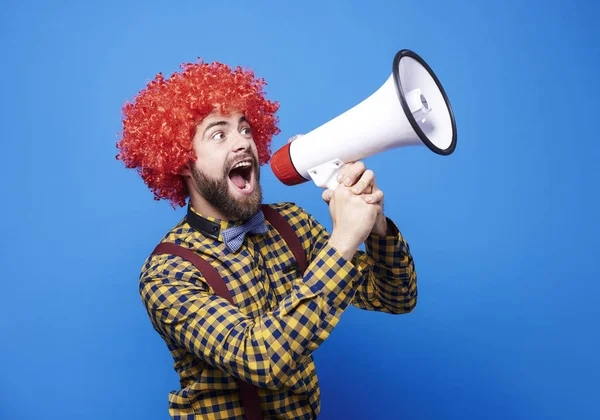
325	175
332	182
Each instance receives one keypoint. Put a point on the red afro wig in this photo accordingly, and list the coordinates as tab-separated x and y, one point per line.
158	126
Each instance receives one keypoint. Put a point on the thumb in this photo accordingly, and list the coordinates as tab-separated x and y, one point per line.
326	196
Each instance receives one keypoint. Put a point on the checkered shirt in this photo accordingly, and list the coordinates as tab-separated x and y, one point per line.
280	316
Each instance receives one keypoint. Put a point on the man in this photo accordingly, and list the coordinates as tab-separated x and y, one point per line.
203	134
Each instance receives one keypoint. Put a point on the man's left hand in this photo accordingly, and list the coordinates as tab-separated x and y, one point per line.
362	181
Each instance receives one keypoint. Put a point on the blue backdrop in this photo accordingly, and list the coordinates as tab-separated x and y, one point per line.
503	232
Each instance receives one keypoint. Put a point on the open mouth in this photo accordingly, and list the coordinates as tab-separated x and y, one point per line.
242	176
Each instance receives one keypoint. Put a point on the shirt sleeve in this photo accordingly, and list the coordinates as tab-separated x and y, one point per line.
265	351
388	276
390	283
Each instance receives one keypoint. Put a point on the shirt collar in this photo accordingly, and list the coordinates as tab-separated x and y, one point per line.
209	226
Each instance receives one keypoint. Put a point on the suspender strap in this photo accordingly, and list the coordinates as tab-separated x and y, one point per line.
288	233
248	392
208	271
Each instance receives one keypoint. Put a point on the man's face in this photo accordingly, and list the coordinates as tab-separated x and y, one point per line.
227	172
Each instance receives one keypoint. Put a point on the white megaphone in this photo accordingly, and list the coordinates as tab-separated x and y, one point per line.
411	108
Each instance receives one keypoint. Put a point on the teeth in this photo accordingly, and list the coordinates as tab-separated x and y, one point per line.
247	185
242	164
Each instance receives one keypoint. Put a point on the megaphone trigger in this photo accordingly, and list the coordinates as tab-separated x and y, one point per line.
325	174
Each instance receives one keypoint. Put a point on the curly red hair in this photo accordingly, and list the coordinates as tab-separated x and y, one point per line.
158	126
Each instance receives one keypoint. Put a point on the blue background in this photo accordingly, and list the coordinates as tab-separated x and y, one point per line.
503	231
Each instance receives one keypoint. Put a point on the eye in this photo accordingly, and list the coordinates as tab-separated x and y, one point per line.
219	135
246	131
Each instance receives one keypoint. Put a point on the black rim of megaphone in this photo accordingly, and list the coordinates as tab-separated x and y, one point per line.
411	118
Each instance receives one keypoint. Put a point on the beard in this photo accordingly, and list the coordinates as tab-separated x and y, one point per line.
216	192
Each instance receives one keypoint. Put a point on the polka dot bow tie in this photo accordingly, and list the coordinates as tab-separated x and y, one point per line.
234	236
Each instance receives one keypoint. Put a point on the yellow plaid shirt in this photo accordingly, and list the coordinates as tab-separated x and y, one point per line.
280	316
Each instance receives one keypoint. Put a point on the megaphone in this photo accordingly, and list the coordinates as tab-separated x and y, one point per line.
410	109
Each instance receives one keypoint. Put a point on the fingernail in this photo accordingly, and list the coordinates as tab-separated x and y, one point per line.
339	177
369	199
347	182
355	190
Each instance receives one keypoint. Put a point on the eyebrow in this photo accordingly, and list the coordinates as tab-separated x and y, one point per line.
224	123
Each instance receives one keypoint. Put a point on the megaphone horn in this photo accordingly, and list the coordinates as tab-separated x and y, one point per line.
410	109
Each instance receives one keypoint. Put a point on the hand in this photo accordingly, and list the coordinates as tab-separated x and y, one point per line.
353	219
362	182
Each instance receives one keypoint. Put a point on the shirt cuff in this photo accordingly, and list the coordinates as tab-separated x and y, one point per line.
387	250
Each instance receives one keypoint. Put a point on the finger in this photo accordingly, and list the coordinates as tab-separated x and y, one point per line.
351	172
365	183
374	198
326	196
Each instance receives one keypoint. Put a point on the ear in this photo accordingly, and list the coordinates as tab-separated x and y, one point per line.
186	170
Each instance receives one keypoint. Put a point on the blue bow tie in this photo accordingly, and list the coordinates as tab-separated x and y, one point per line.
234	236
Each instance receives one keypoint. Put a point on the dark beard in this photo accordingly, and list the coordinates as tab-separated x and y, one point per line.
216	192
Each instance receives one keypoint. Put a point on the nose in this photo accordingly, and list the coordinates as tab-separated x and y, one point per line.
240	143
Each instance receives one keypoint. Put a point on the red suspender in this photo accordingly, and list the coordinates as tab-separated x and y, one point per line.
249	393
